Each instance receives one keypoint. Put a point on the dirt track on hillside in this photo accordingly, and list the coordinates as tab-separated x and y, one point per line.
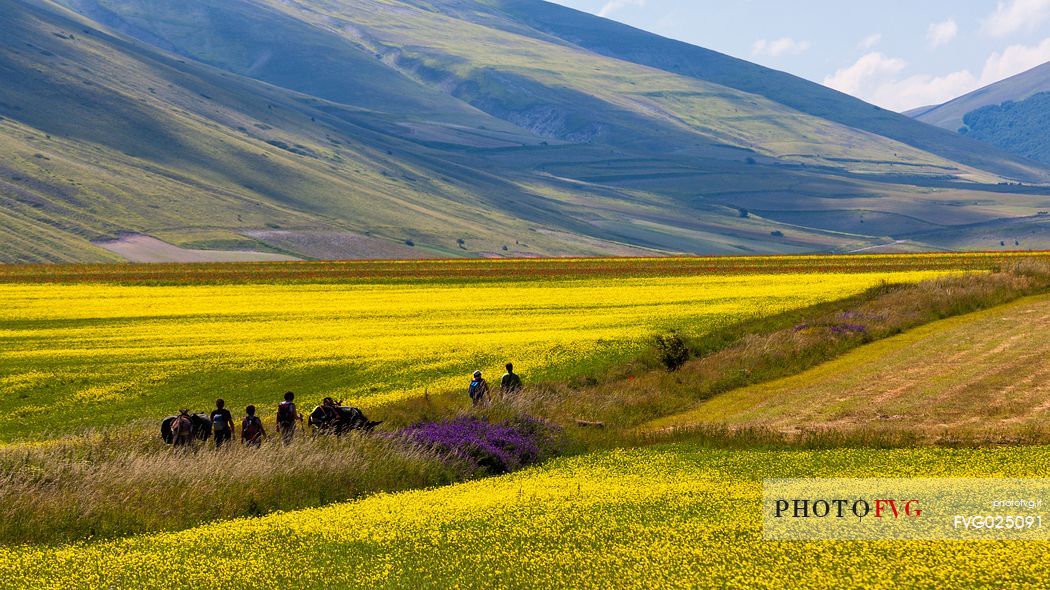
142	248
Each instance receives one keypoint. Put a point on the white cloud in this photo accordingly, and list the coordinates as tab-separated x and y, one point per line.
1012	16
942	33
877	78
614	5
1014	60
867	71
870	41
924	89
779	47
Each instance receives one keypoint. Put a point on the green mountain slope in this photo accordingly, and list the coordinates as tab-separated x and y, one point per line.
1022	127
950	115
627	43
104	137
396	128
1013	115
554	90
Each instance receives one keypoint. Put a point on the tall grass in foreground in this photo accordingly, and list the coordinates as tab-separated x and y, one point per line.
102	485
105	485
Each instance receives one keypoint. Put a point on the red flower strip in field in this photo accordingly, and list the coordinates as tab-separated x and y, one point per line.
461	270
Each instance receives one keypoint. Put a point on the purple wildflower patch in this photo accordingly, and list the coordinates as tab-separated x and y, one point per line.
848	329
496	448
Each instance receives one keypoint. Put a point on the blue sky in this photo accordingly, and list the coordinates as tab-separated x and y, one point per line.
899	54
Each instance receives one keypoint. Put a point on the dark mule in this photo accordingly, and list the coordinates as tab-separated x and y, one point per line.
199	428
339	420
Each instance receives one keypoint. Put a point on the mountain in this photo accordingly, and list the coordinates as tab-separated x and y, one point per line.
623	42
224	129
1012	115
1021	127
950	115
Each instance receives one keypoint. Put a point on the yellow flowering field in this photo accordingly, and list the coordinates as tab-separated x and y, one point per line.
655	517
74	355
93	347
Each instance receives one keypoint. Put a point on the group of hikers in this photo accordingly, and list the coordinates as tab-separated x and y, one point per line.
479	388
182	429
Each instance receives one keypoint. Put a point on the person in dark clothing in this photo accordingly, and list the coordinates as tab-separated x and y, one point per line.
478	390
511	382
287	415
221	423
252	431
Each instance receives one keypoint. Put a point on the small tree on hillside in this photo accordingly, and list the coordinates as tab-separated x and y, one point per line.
673	351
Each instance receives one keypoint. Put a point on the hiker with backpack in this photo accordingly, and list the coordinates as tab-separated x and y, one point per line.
511	382
252	431
286	417
478	390
221	423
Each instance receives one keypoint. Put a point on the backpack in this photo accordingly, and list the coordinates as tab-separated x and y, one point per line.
476	390
218	422
251	428
286	413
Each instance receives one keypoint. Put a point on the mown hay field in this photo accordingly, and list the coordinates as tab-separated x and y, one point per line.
982	375
98	354
670	516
